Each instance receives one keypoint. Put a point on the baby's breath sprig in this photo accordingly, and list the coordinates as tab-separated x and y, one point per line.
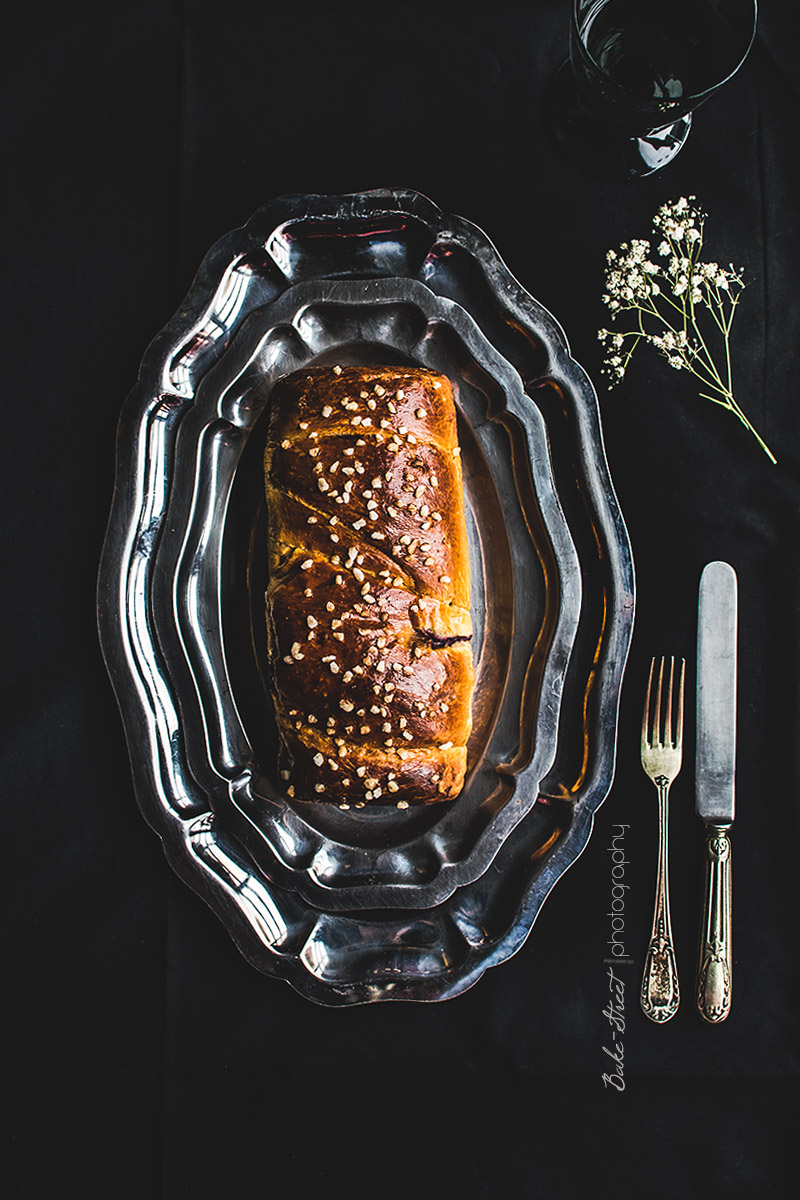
667	297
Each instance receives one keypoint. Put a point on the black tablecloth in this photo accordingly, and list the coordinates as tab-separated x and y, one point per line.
142	1055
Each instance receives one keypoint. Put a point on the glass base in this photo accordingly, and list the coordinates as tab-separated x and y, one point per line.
601	149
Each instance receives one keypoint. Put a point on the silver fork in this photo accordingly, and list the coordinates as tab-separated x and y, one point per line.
662	753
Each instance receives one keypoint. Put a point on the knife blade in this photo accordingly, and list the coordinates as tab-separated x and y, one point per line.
715	772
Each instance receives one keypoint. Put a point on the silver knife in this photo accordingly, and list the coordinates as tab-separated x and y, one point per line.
715	769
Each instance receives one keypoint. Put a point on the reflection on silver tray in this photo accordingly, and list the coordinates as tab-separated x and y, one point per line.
526	600
375	276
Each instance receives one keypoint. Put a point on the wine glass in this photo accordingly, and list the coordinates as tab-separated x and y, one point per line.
621	106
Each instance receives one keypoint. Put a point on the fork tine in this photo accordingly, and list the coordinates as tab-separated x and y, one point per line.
646	714
667	741
657	739
679	730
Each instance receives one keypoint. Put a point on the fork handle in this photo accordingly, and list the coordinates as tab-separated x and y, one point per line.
660	995
714	974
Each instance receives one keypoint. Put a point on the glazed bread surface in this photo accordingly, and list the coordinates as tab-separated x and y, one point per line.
368	603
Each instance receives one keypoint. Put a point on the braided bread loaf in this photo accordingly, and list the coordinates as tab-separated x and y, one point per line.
368	613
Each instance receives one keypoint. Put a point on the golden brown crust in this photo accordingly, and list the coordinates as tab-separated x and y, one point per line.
368	602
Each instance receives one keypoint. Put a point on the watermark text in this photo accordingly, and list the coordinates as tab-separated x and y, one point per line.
614	1011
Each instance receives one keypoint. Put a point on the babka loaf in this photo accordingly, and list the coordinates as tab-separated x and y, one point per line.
368	603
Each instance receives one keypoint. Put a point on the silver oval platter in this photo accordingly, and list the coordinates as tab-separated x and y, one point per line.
361	905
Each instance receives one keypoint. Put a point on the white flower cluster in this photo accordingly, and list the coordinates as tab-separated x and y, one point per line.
689	277
680	220
665	292
683	222
615	363
675	346
667	298
629	276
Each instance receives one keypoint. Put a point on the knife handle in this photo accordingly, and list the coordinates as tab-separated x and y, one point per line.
714	975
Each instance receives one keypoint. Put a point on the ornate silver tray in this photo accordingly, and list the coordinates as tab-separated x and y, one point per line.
352	907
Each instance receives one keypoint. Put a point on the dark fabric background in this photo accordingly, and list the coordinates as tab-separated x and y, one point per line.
142	1056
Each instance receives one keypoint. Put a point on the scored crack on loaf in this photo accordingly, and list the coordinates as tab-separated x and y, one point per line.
368	603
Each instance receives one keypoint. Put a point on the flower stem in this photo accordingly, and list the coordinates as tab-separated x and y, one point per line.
730	404
641	286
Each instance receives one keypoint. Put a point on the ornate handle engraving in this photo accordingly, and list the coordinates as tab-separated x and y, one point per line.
660	995
714	974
